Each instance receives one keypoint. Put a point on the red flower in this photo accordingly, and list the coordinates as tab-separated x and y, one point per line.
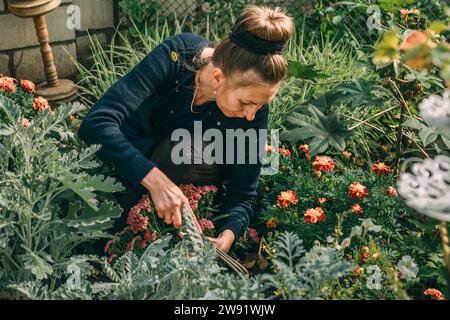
28	86
381	169
40	104
196	193
356	208
136	220
284	152
111	257
108	245
357	190
130	245
364	256
434	293
24	122
206	224
7	84
286	198
253	234
312	216
323	163
391	192
272	223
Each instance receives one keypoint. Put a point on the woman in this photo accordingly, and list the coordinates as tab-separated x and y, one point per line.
184	81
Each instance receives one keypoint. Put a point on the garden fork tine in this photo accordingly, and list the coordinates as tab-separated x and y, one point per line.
228	260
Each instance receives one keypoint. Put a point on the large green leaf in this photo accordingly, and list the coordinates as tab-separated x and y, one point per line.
85	186
304	71
324	130
428	134
87	220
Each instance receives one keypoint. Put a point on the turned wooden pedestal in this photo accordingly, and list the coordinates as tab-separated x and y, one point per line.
54	90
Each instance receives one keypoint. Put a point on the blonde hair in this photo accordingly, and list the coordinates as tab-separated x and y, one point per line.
267	23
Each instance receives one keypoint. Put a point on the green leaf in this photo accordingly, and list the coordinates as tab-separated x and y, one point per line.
37	265
87	220
325	131
303	71
427	135
358	92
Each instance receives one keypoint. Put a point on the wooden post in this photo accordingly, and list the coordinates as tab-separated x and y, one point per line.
46	51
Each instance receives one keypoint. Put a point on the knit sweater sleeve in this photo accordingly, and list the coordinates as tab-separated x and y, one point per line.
241	194
103	122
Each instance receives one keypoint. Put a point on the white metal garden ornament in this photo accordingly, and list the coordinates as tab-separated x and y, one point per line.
436	110
426	187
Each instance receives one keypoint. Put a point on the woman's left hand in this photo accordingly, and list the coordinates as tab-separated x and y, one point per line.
224	241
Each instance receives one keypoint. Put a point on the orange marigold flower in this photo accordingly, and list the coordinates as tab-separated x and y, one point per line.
312	216
323	163
356	208
364	256
347	154
286	198
434	293
24	122
7	84
272	223
268	148
28	85
381	169
322	200
40	104
284	152
358	271
357	190
304	148
391	192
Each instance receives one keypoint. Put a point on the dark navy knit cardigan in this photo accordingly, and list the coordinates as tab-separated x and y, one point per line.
151	101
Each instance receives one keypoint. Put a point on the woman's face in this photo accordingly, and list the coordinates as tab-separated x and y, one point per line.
243	102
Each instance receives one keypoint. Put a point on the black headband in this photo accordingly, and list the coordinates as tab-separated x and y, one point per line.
250	42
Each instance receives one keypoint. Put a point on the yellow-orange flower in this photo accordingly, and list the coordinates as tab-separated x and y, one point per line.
356	208
381	169
40	104
322	200
312	216
286	198
7	84
434	293
272	223
357	191
323	163
391	192
284	152
347	154
28	85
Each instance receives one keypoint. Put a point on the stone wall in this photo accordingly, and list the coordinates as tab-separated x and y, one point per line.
19	49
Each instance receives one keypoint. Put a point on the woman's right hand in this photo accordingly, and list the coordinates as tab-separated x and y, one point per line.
167	198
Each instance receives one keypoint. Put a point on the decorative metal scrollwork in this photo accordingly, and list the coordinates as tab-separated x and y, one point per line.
426	187
436	110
